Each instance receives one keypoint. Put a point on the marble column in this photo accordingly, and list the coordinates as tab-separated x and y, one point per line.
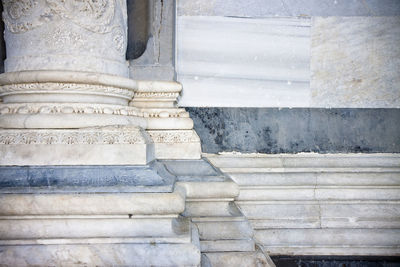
65	92
66	57
66	84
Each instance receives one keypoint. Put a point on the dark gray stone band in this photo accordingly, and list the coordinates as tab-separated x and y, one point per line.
273	130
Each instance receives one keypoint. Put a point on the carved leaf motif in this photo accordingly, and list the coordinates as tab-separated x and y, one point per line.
93	15
17	14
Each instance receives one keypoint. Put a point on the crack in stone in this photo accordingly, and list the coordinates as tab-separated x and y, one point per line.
159	31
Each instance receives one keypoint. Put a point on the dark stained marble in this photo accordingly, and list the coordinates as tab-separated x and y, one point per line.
274	130
74	179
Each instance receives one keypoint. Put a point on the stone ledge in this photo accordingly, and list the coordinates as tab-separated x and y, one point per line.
92	204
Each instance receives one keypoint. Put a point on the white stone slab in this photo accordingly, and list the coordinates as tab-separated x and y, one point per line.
11	229
225	61
92	204
330	237
101	255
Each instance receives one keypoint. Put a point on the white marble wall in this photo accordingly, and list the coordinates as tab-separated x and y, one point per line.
324	62
243	62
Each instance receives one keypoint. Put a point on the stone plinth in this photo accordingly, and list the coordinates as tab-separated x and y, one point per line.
110	145
94	215
96	229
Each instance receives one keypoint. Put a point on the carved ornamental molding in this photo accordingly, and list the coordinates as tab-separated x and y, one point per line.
23	15
101	135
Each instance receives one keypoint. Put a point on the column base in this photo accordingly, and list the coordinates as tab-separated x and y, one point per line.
94	216
111	145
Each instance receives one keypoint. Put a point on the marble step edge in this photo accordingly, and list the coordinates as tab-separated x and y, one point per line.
303	160
370	179
212	209
218	219
97	240
92	204
329	237
329	194
311	170
209	190
222	230
318	250
57	228
235	258
107	253
227	245
325	223
317	186
319	202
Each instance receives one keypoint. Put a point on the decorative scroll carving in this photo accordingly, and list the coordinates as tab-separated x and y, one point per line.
178	136
156	95
64	87
101	135
85	108
68	108
119	40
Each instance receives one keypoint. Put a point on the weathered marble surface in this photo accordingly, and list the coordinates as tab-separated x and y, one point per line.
286	8
266	130
355	62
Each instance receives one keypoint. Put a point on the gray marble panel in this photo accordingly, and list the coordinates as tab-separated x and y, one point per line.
52	179
194	170
273	130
